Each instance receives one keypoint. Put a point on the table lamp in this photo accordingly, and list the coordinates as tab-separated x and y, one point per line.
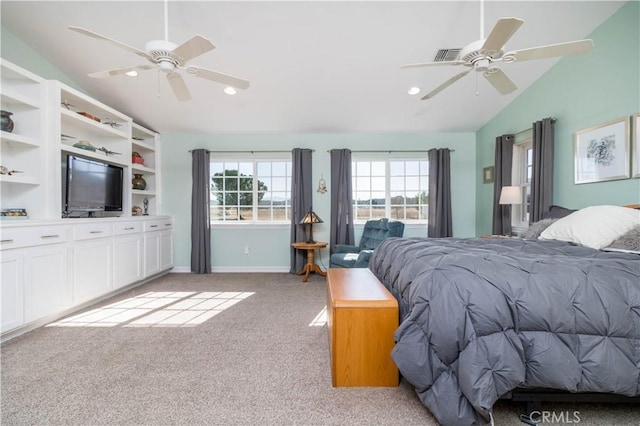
309	219
510	195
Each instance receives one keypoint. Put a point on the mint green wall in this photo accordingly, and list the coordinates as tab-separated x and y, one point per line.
580	91
14	50
270	248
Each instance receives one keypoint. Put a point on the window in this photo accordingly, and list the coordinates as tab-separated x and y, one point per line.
521	176
251	190
396	189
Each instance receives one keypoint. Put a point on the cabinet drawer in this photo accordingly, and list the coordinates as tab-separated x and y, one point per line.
16	238
158	225
126	228
94	230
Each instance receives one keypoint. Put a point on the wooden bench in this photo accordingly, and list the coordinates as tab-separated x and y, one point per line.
361	318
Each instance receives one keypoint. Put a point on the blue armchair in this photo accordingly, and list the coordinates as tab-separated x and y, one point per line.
375	231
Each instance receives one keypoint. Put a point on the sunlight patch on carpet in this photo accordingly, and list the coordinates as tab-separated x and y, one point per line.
320	319
157	309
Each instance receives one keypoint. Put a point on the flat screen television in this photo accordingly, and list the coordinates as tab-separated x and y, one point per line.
90	185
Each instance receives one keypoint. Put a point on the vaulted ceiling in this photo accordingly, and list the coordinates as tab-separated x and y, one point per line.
325	66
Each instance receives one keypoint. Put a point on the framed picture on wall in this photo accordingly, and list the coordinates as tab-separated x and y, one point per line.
601	153
635	143
487	174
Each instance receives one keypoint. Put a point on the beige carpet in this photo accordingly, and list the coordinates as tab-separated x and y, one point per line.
222	349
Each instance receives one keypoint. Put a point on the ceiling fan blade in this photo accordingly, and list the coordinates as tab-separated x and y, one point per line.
195	46
218	77
429	64
500	81
118	71
178	86
500	34
112	41
445	84
552	50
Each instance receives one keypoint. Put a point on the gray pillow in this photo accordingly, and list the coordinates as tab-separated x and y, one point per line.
557	212
629	241
535	229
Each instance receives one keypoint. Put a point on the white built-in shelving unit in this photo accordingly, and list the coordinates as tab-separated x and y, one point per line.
23	150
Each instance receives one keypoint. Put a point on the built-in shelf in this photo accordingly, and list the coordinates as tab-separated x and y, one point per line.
19	139
120	160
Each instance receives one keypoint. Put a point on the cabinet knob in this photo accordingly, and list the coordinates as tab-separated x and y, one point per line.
6	241
95	232
49	236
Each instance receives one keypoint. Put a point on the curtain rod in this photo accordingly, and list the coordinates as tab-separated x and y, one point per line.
254	151
530	128
390	150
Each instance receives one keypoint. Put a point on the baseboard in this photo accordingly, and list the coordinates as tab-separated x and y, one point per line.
237	269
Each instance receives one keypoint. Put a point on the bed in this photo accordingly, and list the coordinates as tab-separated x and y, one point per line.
482	317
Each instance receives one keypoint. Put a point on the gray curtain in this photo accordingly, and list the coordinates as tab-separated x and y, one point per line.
440	193
341	199
200	220
301	202
542	178
502	177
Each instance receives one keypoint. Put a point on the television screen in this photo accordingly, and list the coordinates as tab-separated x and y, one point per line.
90	185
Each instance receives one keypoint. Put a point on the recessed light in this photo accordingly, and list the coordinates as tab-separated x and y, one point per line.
414	90
229	90
132	73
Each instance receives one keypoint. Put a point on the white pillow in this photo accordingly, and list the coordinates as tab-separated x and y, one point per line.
595	226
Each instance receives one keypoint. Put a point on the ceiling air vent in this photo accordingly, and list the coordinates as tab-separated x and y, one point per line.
446	55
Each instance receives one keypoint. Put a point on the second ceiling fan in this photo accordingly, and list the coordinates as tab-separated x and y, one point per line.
481	55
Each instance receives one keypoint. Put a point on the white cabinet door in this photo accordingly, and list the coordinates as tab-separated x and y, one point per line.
151	253
127	260
47	289
166	250
11	291
92	265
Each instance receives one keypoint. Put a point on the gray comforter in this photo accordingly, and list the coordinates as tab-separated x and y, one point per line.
480	317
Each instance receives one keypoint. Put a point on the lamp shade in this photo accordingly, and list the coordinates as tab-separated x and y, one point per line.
511	195
310	217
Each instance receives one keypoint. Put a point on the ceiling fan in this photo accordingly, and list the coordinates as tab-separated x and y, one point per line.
169	58
481	55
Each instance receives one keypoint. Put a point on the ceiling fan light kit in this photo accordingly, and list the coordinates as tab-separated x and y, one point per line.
481	55
168	57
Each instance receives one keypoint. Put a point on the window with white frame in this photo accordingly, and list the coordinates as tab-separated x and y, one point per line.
521	176
250	191
392	188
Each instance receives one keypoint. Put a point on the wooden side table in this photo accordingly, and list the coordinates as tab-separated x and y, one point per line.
310	266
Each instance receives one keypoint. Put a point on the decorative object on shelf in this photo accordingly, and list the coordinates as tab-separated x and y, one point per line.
137	138
5	171
136	158
89	116
136	211
14	214
7	122
108	152
65	137
309	219
67	105
110	122
322	185
138	182
86	145
601	153
145	203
